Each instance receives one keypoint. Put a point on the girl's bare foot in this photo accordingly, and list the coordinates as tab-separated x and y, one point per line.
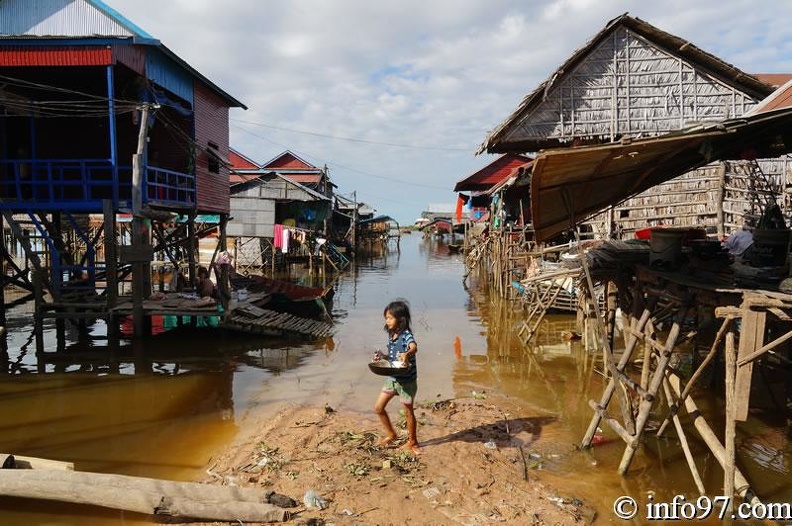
412	447
386	441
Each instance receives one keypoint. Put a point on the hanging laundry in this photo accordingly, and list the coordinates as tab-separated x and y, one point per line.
285	243
277	236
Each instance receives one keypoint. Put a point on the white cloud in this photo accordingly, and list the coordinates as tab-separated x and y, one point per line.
428	74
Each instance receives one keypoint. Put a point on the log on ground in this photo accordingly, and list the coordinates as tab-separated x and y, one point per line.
184	500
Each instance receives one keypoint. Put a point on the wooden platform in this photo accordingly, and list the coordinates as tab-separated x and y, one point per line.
255	320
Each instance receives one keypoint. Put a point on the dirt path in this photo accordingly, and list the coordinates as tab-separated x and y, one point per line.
474	468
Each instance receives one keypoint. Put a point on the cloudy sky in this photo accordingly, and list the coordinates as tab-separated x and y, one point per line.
395	97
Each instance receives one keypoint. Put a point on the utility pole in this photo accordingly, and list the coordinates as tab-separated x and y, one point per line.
354	220
140	255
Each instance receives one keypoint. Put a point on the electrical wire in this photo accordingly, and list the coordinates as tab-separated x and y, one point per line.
353	139
338	165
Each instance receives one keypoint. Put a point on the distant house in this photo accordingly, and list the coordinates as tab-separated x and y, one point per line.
75	77
300	171
263	203
439	211
630	81
499	175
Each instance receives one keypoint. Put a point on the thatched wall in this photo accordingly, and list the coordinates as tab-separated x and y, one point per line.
628	86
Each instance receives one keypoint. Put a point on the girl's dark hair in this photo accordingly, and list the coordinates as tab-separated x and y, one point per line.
400	310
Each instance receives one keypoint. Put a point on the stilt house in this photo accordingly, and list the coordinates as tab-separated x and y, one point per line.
633	80
264	202
83	92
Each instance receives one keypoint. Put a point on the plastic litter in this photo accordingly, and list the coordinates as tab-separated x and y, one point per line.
313	500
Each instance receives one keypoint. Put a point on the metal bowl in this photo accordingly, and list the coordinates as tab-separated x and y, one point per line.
386	368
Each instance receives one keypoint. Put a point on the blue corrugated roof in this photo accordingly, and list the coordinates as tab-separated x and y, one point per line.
121	19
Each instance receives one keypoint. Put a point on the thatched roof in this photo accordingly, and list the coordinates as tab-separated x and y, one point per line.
499	141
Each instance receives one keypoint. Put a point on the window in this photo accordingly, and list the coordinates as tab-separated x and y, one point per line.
213	158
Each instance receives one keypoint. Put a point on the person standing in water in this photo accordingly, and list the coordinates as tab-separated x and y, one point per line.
401	347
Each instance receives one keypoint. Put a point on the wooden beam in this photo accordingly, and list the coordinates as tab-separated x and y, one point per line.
751	336
187	500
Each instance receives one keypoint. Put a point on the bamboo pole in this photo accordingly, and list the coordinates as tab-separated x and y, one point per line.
684	442
731	423
696	375
609	390
742	487
654	385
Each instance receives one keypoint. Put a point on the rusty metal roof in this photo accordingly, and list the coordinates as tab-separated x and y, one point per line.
494	173
569	185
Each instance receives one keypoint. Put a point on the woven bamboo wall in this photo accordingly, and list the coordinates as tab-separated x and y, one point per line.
628	86
719	197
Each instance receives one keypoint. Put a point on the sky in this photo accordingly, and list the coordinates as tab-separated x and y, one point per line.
396	97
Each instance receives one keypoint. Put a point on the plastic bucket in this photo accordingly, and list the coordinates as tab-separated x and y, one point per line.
770	247
665	247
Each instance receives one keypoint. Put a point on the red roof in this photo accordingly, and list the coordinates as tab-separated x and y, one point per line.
774	79
235	178
288	161
303	178
27	56
492	174
780	98
240	162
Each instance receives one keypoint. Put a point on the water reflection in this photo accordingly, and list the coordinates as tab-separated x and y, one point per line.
164	407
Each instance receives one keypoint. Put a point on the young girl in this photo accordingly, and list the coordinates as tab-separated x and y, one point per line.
402	347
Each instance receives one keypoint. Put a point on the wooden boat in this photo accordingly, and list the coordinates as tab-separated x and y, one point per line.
291	298
455	248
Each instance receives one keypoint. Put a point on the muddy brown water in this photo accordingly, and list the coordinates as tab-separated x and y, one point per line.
162	408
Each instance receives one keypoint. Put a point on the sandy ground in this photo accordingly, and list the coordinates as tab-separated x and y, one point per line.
474	468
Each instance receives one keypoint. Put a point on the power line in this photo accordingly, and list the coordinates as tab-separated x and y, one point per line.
349	168
353	139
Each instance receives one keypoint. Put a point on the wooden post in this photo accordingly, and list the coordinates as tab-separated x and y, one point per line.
751	338
38	309
654	385
111	270
696	375
611	388
223	277
2	284
731	424
721	192
709	438
684	442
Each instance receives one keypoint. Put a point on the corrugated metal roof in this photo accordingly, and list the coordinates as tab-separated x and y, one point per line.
41	20
241	162
492	174
780	98
774	79
289	160
99	56
575	183
72	18
303	178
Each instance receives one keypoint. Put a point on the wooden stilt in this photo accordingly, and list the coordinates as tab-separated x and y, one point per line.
730	431
646	403
111	272
683	441
742	487
751	337
611	388
696	375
